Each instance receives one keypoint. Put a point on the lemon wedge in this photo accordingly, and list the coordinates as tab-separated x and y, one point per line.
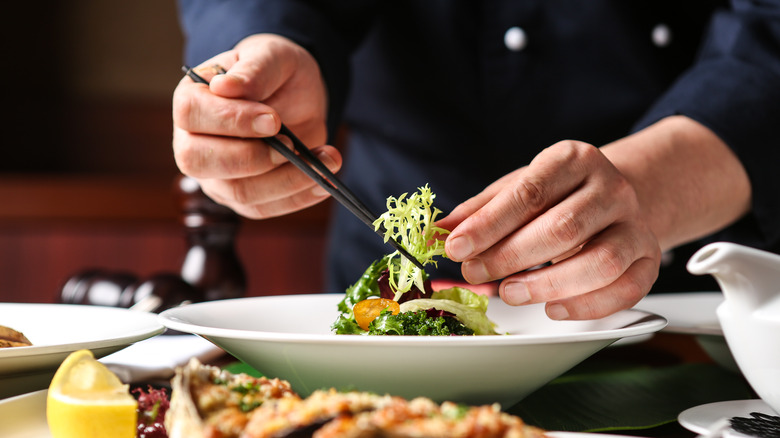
87	400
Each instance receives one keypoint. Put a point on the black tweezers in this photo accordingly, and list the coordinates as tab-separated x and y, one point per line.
313	167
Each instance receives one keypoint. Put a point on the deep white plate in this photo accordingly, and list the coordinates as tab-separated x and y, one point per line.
289	337
25	417
56	330
700	419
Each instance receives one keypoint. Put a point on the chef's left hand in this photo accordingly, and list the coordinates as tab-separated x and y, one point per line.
572	207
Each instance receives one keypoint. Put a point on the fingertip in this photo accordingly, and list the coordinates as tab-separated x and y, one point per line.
330	157
228	85
458	247
557	311
266	124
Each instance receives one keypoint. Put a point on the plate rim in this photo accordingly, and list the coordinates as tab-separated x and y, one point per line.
151	327
646	322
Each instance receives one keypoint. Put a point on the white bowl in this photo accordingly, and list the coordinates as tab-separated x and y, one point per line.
289	337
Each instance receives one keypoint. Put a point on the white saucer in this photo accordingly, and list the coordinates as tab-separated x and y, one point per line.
700	419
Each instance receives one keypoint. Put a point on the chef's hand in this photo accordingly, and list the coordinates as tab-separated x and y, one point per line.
570	206
217	128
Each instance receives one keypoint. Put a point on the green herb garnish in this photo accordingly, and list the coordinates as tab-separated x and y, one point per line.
417	324
410	222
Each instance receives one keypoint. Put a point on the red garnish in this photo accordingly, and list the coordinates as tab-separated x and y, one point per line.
414	293
152	406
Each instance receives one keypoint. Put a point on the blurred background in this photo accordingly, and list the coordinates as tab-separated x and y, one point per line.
87	177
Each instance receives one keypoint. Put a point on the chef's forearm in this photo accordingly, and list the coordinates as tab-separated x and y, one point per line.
688	181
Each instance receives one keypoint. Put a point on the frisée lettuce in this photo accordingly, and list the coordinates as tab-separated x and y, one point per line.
455	311
410	222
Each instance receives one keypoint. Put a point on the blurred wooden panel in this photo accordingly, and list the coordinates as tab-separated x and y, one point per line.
51	198
36	261
54	227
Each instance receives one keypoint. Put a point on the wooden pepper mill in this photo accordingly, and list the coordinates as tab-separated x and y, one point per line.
211	269
211	263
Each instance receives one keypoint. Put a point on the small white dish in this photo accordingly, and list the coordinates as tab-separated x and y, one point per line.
687	312
56	330
289	337
699	419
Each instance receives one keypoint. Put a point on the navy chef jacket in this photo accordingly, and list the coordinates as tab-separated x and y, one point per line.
456	93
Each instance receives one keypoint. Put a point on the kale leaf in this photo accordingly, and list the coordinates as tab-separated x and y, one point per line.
418	324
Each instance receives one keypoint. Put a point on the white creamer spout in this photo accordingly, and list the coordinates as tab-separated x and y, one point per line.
748	277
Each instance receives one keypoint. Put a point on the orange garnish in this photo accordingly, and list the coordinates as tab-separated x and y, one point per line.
367	310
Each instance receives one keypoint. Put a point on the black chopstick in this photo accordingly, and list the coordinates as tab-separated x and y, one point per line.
316	170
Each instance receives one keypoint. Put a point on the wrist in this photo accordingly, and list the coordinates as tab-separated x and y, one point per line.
688	181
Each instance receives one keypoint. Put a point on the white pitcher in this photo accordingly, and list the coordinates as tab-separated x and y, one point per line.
750	313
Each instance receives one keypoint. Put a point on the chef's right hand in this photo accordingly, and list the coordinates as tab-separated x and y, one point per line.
217	127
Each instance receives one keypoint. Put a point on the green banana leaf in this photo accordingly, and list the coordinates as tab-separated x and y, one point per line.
630	398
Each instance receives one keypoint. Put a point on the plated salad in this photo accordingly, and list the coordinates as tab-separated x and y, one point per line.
395	297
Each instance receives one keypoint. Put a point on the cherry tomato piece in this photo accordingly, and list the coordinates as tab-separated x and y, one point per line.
367	310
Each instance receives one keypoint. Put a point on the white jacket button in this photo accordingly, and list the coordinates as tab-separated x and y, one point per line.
515	39
662	35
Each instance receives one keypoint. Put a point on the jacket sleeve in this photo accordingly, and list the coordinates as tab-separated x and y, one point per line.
733	88
330	31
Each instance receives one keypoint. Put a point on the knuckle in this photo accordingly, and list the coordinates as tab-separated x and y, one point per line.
188	160
633	289
502	262
609	262
564	228
229	119
543	288
238	162
241	192
529	195
256	212
184	109
571	150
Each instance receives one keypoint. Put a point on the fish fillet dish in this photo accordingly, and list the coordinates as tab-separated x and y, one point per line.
207	402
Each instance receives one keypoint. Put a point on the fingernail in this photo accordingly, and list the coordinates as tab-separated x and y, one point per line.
264	125
557	312
326	160
475	272
459	248
516	293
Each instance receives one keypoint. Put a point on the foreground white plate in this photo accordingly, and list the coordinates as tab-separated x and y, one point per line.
25	417
700	419
289	337
694	313
56	330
